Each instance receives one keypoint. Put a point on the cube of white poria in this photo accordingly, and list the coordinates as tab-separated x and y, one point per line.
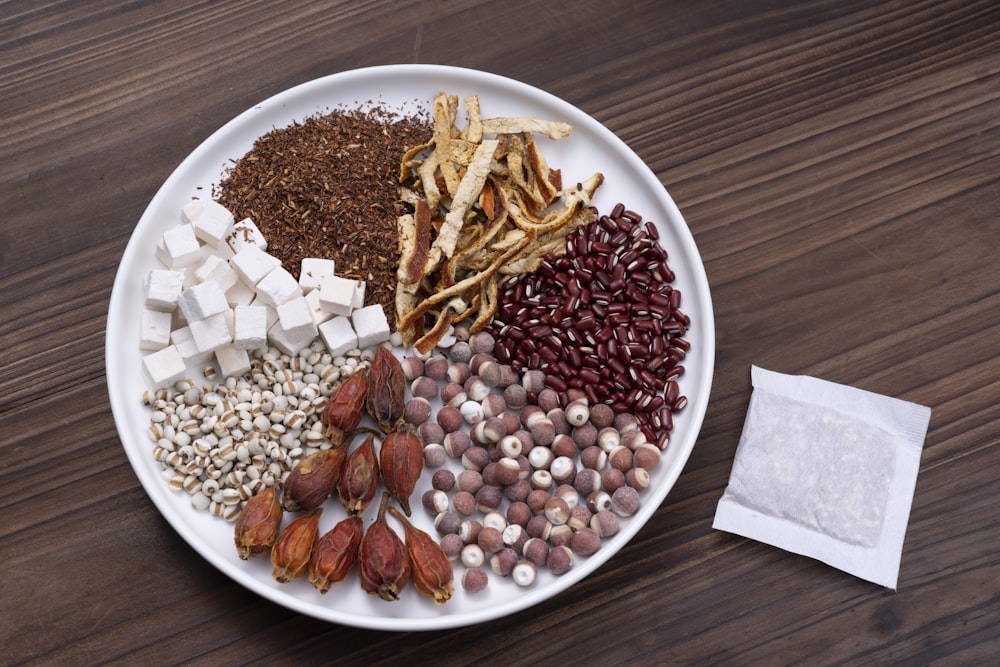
288	342
313	271
249	327
338	334
154	329
165	367
212	223
277	287
359	295
252	264
371	325
319	314
232	361
336	295
272	313
240	294
296	318
245	234
182	339
218	269
211	333
162	288
180	246
202	300
191	210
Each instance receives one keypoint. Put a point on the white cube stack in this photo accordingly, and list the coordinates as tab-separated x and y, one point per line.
222	296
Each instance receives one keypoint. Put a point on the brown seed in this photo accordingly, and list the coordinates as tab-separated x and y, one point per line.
386	398
312	480
258	524
359	478
383	565
344	409
430	567
291	553
401	460
335	553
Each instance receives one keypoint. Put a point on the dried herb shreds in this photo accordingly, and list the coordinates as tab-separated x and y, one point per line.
328	187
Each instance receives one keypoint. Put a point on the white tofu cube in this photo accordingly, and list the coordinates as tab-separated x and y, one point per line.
371	325
288	343
191	210
212	223
217	269
252	264
359	295
296	318
180	247
162	288
319	315
245	234
338	334
154	329
182	339
202	300
232	362
278	287
211	333
336	295
249	327
165	367
314	270
240	294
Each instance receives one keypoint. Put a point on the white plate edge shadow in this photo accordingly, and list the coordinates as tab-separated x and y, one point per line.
122	350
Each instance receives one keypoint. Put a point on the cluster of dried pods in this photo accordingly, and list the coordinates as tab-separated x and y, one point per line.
386	563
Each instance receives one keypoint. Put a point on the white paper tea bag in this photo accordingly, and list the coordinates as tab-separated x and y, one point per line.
827	471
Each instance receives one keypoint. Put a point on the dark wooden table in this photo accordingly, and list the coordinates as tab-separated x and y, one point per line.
837	163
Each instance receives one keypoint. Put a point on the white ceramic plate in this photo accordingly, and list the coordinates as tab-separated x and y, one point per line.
591	147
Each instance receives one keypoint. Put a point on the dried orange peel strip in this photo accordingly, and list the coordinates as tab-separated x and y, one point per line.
485	203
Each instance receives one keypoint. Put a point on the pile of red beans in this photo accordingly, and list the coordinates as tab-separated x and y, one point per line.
604	319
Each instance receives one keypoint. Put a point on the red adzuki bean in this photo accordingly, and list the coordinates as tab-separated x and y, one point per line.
603	319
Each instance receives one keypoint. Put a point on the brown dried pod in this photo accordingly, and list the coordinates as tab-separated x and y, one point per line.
291	553
401	460
258	524
344	409
335	553
430	567
312	480
386	400
359	478
383	566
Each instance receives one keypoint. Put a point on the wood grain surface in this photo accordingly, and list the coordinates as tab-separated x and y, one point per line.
837	163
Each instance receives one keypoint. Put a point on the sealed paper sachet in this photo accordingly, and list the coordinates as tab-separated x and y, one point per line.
827	471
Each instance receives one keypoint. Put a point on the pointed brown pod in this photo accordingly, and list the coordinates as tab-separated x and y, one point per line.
344	409
386	390
401	460
312	480
335	553
383	566
359	478
291	553
258	524
430	568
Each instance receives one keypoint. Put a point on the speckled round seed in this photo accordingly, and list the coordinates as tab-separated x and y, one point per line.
469	529
599	501
535	550
443	480
471	411
453	394
490	373
536	500
490	540
579	517
584	435
447	522
524	574
472	556
417	411
604	523
436	367
560	535
518	513
475	458
540	480
435	455
458	373
508	471
449	418
556	511
463	503
560	560
612	479
586	481
413	367
456	443
548	399
469	480
514	535
533	381
494	405
601	415
434	501
424	387
460	352
482	342
563	445
625	501
488	498
452	545
625	421
577	412
430	431
621	458
542	431
540	458
585	542
646	456
563	469
569	495
474	579
503	561
519	490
